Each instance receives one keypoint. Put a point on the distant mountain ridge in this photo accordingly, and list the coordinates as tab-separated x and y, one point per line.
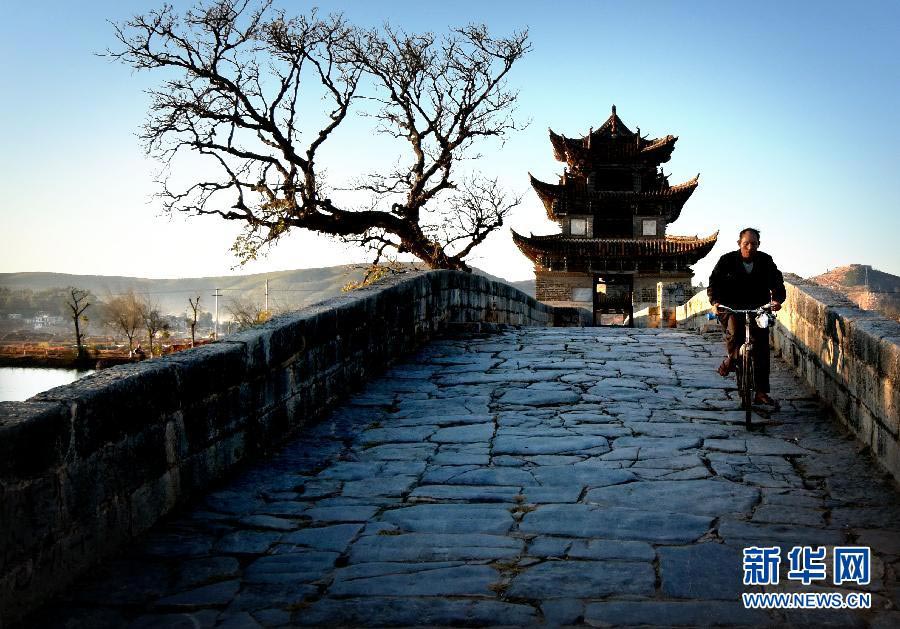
868	288
859	276
288	289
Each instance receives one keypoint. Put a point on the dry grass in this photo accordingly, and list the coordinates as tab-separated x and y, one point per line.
522	509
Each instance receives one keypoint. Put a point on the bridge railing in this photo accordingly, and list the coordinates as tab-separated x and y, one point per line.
851	357
88	466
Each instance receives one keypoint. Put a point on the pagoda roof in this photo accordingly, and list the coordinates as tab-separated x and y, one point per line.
549	193
613	127
561	145
576	151
557	246
659	150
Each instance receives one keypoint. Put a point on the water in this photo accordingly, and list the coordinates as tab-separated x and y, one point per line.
20	383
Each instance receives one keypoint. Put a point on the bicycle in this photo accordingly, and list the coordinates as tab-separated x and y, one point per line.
743	369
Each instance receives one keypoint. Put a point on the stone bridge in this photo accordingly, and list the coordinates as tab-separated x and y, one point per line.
526	476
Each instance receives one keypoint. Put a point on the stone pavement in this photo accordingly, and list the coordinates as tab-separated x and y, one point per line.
538	476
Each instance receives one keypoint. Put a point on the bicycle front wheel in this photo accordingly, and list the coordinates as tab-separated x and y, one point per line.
747	386
739	380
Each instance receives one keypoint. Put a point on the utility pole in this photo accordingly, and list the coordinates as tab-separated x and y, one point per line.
267	295
217	294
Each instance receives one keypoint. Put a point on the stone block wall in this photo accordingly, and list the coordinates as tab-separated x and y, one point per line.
562	286
851	357
87	466
645	288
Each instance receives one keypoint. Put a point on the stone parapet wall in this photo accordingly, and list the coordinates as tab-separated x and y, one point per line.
851	357
88	466
692	314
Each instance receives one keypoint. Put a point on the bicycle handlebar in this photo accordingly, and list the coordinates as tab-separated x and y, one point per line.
762	308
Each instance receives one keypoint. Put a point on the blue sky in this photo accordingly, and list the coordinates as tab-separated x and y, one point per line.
788	110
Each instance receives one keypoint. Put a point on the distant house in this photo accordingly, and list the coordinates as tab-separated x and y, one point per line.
43	320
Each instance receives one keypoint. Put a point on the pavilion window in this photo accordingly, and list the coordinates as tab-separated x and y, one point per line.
649	227
578	227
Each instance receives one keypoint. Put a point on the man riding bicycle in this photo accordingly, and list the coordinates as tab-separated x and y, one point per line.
744	279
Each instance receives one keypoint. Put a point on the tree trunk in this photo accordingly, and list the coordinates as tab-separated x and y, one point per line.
78	339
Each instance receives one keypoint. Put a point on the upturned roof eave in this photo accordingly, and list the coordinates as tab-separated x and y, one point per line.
690	247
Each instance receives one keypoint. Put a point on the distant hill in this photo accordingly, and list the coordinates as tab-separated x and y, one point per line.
287	289
526	286
868	288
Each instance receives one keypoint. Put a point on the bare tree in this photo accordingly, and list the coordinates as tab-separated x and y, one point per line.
152	320
247	313
124	314
192	317
77	301
234	96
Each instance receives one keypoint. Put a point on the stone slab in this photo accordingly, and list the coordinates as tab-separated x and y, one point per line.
463	580
531	397
673	614
518	445
335	538
290	567
702	572
580	476
592	521
702	497
451	518
215	595
470	493
421	547
410	611
583	579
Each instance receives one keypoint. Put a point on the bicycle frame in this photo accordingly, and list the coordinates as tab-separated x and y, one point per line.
744	367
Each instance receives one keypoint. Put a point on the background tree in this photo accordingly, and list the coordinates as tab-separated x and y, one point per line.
124	314
192	316
152	320
234	96
246	313
77	302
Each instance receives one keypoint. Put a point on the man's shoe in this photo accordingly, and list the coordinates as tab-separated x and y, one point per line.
726	367
763	399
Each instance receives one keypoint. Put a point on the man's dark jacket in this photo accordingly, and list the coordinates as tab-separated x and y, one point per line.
731	285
